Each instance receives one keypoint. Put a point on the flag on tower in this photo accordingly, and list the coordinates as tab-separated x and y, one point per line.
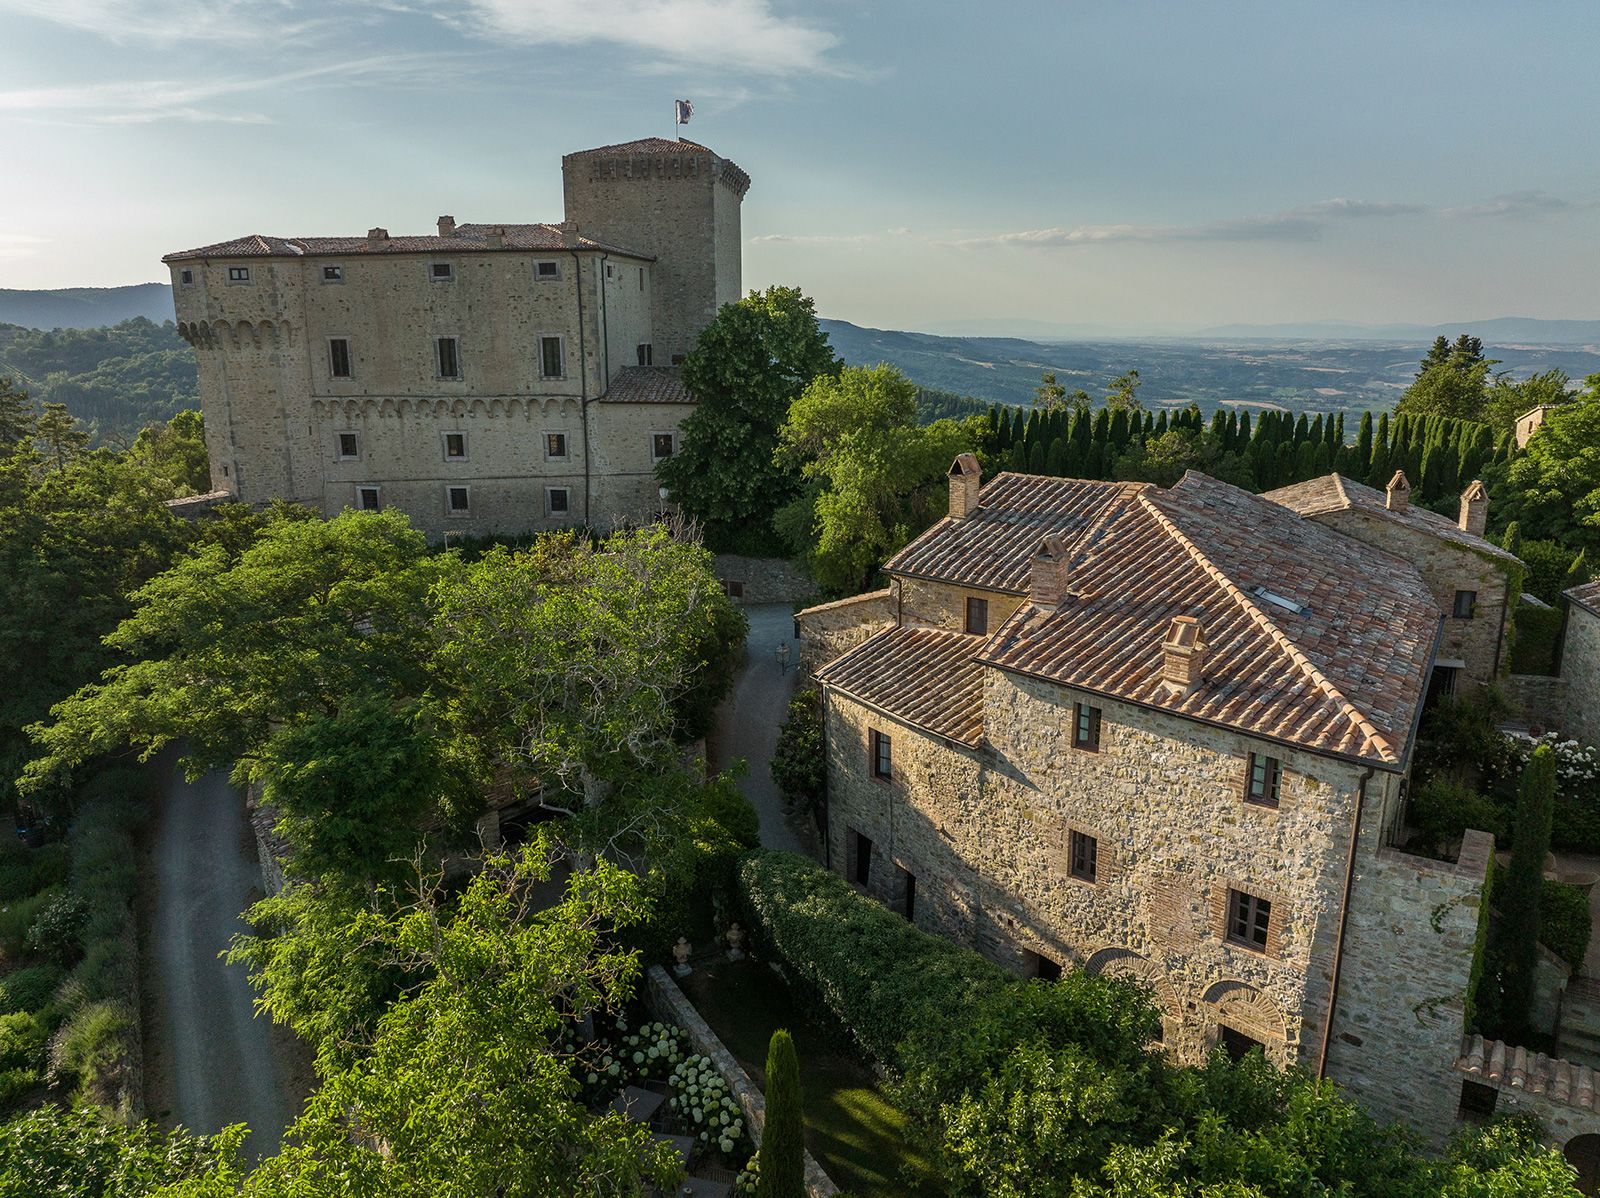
685	111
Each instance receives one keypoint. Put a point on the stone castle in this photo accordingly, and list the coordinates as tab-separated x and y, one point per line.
1167	733
485	379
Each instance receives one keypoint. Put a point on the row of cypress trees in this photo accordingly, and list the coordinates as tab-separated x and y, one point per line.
1440	455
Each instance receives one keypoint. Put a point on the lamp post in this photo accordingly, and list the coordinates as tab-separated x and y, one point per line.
783	657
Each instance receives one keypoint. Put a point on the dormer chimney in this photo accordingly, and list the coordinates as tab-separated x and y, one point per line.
1047	578
1398	494
377	234
966	477
1475	508
447	226
1183	655
495	237
569	233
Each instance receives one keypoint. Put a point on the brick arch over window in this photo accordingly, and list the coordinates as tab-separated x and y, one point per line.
1246	1009
1124	962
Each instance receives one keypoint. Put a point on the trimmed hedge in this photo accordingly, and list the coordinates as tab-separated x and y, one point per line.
1564	923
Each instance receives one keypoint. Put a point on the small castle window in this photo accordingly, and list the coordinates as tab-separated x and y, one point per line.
442	272
458	501
555	446
449	357
557	501
1466	605
349	447
551	358
882	753
455	447
861	856
367	499
647	355
546	271
977	616
662	445
1083	856
333	274
611	270
908	890
1086	728
641	278
339	357
238	274
186	277
1264	780
1248	920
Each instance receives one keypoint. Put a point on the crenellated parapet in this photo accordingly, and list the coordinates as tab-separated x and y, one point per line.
510	407
235	334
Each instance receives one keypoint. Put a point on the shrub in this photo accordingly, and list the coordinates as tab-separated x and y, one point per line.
782	1170
16	918
1443	808
57	930
15	1084
22	1041
109	969
25	871
92	1047
78	1153
1564	922
1537	631
799	767
29	989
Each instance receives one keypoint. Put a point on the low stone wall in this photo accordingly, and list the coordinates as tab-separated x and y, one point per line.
1560	1093
192	507
830	629
671	1004
763	579
1536	699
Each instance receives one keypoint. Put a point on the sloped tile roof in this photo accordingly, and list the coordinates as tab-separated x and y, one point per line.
468	239
1586	596
1342	674
992	548
1517	1068
647	145
925	676
647	384
1336	493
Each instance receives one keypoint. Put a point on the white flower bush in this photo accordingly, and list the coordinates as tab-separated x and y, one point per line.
1577	765
702	1099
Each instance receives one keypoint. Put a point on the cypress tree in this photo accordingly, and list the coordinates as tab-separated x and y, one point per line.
1519	894
1317	432
1219	425
1161	423
1055	462
1102	427
1230	434
1002	430
1305	460
1511	542
1244	431
1336	432
1363	460
1283	473
1119	429
1577	573
782	1153
1302	429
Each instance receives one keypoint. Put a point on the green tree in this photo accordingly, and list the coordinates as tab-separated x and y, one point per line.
882	475
77	1153
1557	477
1519	894
1508	399
799	766
1049	395
60	438
747	366
18	419
783	1145
1453	380
176	451
1122	393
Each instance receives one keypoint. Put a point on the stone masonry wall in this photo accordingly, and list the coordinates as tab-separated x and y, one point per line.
1408	953
986	834
829	629
938	605
764	579
1447	568
1580	670
1536	699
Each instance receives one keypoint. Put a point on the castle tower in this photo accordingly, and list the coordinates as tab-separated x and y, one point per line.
677	201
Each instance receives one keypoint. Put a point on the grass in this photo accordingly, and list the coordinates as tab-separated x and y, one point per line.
856	1134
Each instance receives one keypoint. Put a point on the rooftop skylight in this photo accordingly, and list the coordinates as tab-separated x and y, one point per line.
1283	601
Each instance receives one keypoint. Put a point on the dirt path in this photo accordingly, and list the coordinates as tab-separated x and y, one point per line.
750	717
209	1060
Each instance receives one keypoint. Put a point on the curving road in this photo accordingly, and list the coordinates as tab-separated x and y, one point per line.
210	1060
749	719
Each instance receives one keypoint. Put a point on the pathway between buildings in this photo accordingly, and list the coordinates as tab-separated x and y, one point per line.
749	719
210	1060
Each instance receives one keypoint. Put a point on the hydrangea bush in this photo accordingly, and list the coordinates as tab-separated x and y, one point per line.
1576	827
702	1099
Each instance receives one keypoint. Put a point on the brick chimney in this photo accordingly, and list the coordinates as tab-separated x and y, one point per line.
965	478
495	237
1397	496
569	233
1183	655
1475	508
1047	578
447	226
377	234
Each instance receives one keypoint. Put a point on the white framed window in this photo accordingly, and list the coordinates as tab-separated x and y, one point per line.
662	445
186	277
552	358
557	501
238	274
368	499
332	273
455	446
447	357
347	446
457	501
442	272
546	270
555	447
339	360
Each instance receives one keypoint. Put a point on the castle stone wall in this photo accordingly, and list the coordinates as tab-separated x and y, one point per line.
1580	671
939	605
830	629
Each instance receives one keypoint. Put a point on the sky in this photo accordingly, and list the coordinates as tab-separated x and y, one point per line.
1128	167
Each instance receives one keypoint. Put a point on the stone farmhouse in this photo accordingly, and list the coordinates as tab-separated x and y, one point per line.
1165	733
488	378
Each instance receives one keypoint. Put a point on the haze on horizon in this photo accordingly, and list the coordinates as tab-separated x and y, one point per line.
1147	166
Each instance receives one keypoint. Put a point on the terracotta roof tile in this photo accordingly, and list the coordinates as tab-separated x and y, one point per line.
647	145
1336	493
1517	1068
468	239
1586	596
647	384
924	676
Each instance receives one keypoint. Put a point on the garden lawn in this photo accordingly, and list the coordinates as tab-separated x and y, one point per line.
855	1133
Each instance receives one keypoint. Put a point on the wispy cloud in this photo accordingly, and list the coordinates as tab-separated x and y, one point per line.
1524	205
145	101
813	239
742	35
20	245
174	21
